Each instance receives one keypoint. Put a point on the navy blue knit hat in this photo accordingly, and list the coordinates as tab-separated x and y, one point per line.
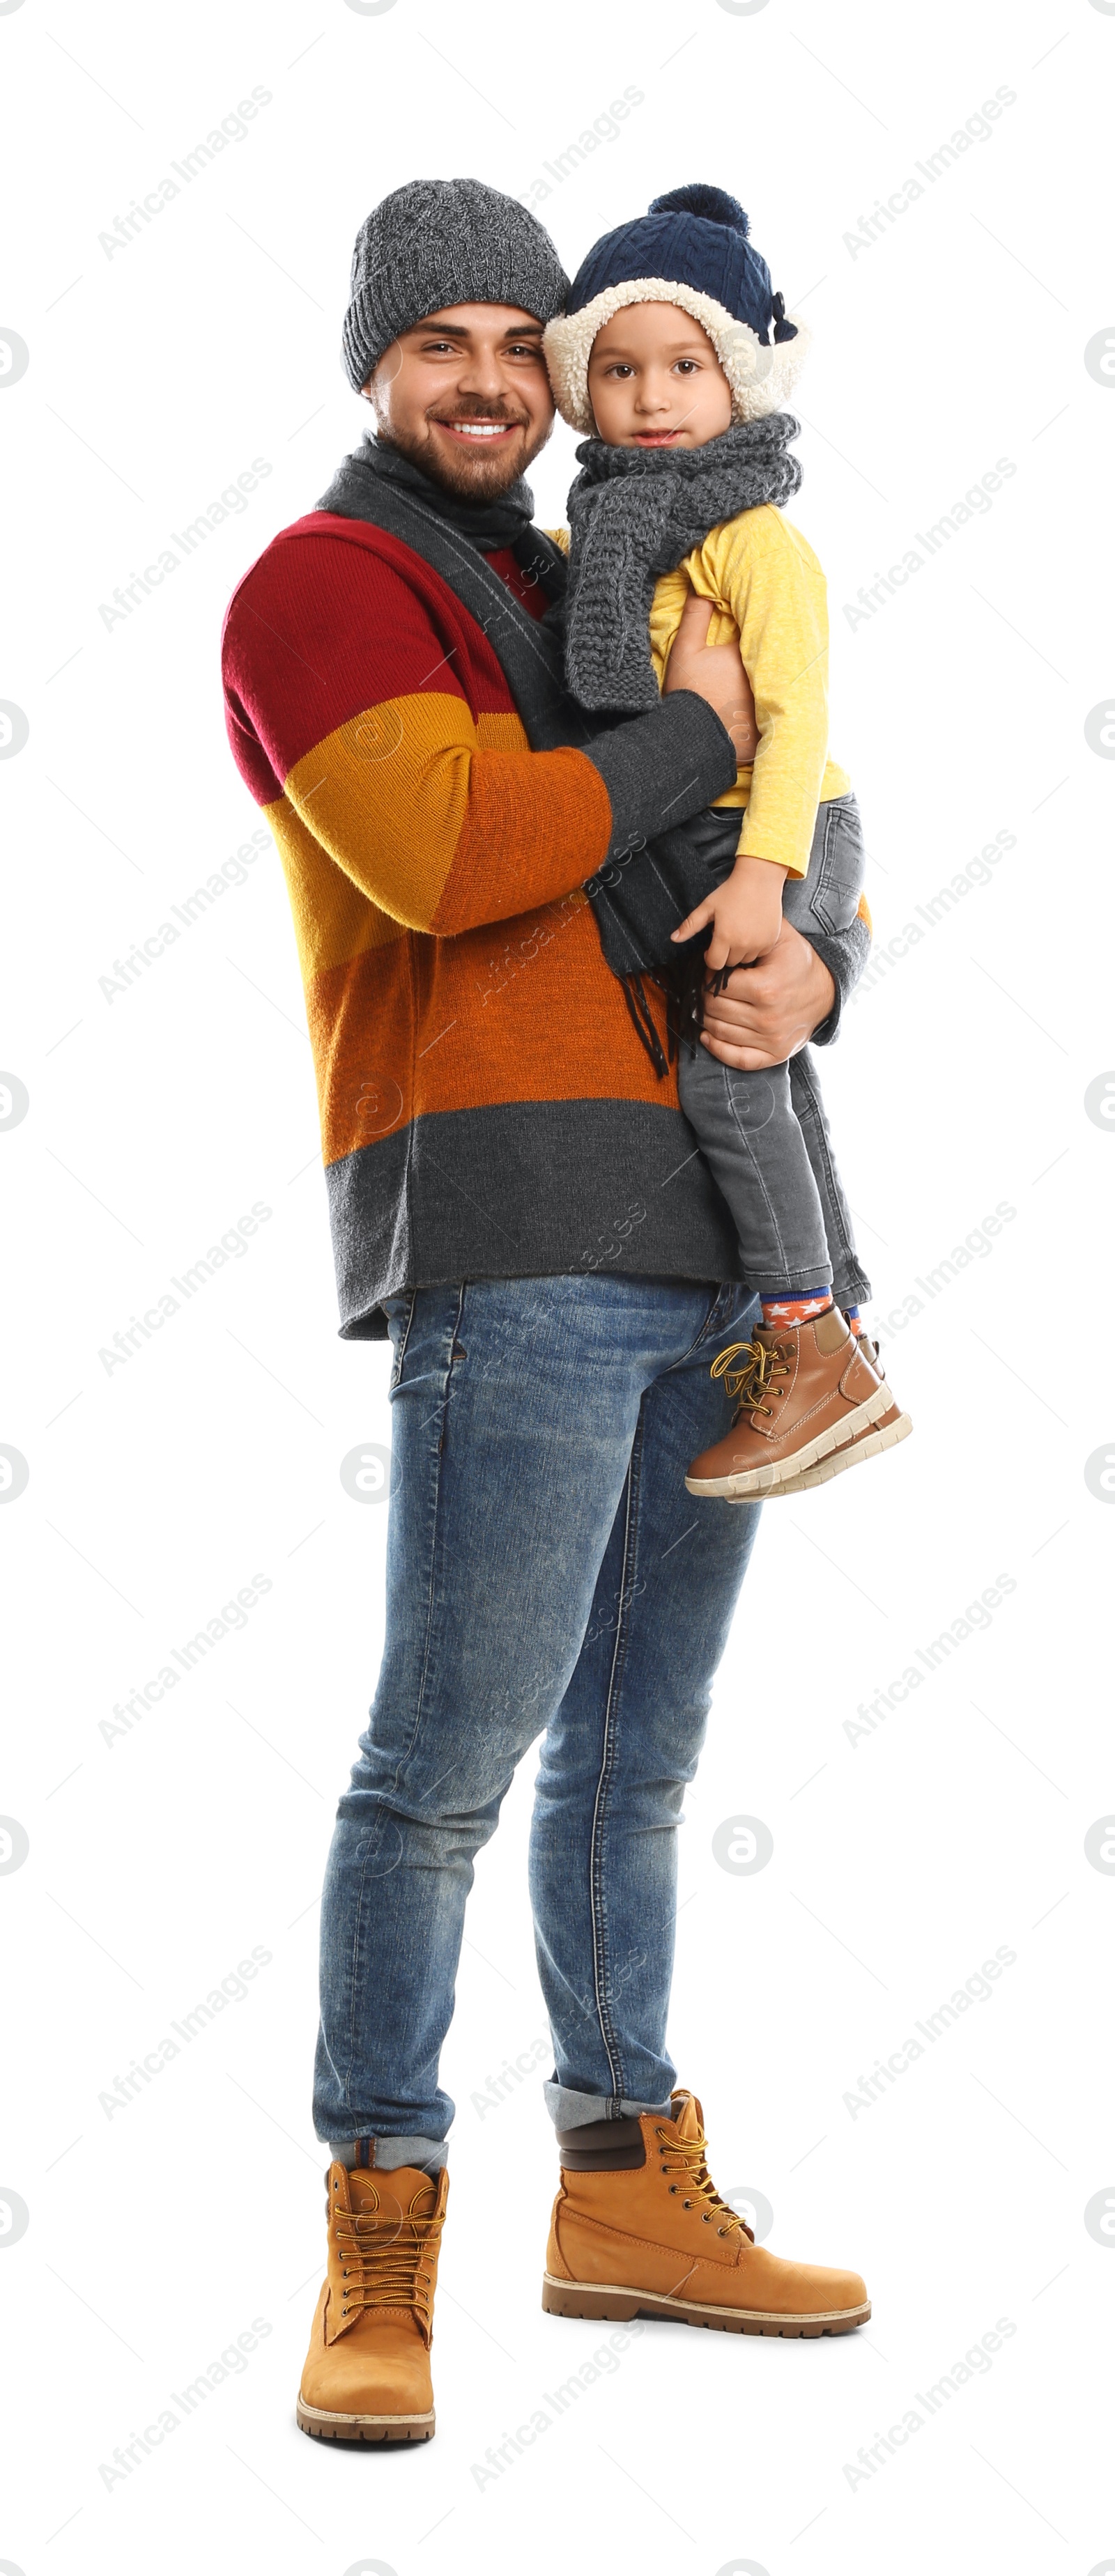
691	248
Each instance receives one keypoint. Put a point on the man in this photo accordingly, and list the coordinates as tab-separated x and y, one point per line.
516	1200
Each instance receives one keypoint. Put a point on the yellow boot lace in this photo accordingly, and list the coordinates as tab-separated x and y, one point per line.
754	1377
686	2160
387	2261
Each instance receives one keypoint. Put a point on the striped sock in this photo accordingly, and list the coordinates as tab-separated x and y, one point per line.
791	1309
853	1320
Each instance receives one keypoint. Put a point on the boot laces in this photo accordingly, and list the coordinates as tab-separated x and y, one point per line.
387	2262
755	1375
686	2160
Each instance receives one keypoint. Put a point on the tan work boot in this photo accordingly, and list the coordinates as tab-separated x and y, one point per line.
891	1427
367	2374
639	2229
804	1390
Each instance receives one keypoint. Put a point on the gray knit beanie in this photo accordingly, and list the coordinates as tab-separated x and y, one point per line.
438	242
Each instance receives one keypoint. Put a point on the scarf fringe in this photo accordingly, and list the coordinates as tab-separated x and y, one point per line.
634	995
681	987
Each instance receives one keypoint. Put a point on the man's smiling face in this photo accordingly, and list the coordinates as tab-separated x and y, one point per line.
466	397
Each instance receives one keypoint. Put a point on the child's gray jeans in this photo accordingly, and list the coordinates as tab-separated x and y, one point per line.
765	1136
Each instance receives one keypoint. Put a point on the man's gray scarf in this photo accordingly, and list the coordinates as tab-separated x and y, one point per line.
377	485
635	513
488	522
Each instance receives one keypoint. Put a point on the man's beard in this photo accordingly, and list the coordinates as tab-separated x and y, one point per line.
479	478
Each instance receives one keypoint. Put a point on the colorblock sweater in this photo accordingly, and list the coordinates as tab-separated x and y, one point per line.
487	1108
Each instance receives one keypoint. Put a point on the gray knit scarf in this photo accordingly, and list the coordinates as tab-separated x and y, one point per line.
635	513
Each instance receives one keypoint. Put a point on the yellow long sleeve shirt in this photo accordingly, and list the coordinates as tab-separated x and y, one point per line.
768	593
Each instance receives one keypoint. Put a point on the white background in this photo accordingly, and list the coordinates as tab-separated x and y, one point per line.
902	1858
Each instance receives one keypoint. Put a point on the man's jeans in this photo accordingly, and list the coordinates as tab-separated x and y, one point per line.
547	1574
764	1135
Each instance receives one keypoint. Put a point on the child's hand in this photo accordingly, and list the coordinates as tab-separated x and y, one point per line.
745	912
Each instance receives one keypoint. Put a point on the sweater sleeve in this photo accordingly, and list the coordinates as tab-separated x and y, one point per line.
774	585
845	953
365	699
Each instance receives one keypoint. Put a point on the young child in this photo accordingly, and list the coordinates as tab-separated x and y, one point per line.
674	355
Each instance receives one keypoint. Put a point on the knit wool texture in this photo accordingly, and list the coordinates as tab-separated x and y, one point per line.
635	513
437	242
488	524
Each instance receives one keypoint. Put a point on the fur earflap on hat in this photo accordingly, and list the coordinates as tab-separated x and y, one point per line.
692	248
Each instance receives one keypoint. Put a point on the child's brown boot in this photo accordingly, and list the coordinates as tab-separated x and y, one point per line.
891	1427
804	1391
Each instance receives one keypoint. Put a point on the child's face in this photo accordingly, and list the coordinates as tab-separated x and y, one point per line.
654	380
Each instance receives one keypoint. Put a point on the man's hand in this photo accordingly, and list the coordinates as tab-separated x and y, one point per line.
716	673
769	1011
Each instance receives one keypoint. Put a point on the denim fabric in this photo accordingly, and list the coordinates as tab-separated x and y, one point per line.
547	1575
764	1135
390	2153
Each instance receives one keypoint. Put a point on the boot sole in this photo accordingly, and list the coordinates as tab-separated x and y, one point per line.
606	2301
325	2427
755	1481
871	1446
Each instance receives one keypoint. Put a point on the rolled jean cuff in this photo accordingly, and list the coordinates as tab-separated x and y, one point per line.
430	2152
799	1283
575	2110
851	1285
